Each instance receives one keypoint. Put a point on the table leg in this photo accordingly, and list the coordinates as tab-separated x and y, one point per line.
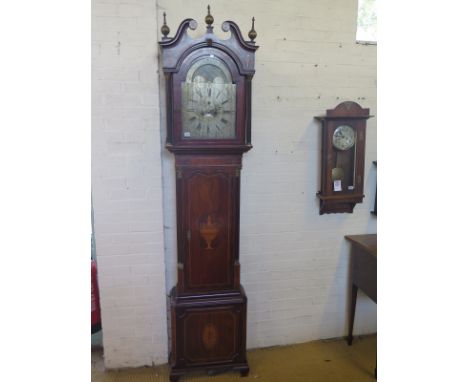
375	370
352	311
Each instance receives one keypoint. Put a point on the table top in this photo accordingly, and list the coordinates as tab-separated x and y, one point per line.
367	242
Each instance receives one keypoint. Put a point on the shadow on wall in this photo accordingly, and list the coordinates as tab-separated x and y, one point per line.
313	137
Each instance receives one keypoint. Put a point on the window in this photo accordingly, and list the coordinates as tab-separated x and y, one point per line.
367	21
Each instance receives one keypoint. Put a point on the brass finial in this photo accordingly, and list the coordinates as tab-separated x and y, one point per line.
209	19
165	29
252	33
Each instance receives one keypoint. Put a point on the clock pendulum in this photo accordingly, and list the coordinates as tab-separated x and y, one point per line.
208	99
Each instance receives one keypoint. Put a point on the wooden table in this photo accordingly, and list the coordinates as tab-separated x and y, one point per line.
363	273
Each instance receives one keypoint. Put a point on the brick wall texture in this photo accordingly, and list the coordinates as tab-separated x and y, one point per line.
294	263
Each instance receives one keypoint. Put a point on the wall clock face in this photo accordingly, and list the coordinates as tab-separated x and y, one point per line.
208	101
344	137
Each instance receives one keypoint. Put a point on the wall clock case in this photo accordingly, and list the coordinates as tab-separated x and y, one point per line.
343	150
208	98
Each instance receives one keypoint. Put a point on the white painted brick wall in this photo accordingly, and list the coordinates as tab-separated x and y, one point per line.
127	182
294	263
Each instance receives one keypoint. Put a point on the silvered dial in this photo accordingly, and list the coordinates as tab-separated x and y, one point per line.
208	101
344	137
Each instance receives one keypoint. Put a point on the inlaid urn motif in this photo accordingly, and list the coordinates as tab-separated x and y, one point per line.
209	231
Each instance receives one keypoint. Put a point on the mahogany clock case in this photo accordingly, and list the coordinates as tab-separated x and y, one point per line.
208	99
345	165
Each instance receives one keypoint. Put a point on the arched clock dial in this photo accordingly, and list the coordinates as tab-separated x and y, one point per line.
208	101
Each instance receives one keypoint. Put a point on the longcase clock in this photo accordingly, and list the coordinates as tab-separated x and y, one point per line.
343	150
208	90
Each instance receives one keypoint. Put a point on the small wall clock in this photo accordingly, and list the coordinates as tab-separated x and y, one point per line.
343	150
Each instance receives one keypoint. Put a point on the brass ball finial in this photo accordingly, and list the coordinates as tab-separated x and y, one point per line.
165	29
252	33
209	19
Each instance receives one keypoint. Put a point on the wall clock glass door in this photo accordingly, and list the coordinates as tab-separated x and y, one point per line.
208	101
344	139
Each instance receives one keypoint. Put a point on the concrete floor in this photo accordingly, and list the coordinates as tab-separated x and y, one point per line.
317	361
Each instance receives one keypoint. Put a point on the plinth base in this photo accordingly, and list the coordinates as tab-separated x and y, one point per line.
208	333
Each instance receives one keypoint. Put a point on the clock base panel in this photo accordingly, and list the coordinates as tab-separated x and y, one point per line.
208	333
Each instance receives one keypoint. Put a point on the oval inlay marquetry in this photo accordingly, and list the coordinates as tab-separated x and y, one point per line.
210	336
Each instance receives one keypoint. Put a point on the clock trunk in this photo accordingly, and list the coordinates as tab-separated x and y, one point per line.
208	199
